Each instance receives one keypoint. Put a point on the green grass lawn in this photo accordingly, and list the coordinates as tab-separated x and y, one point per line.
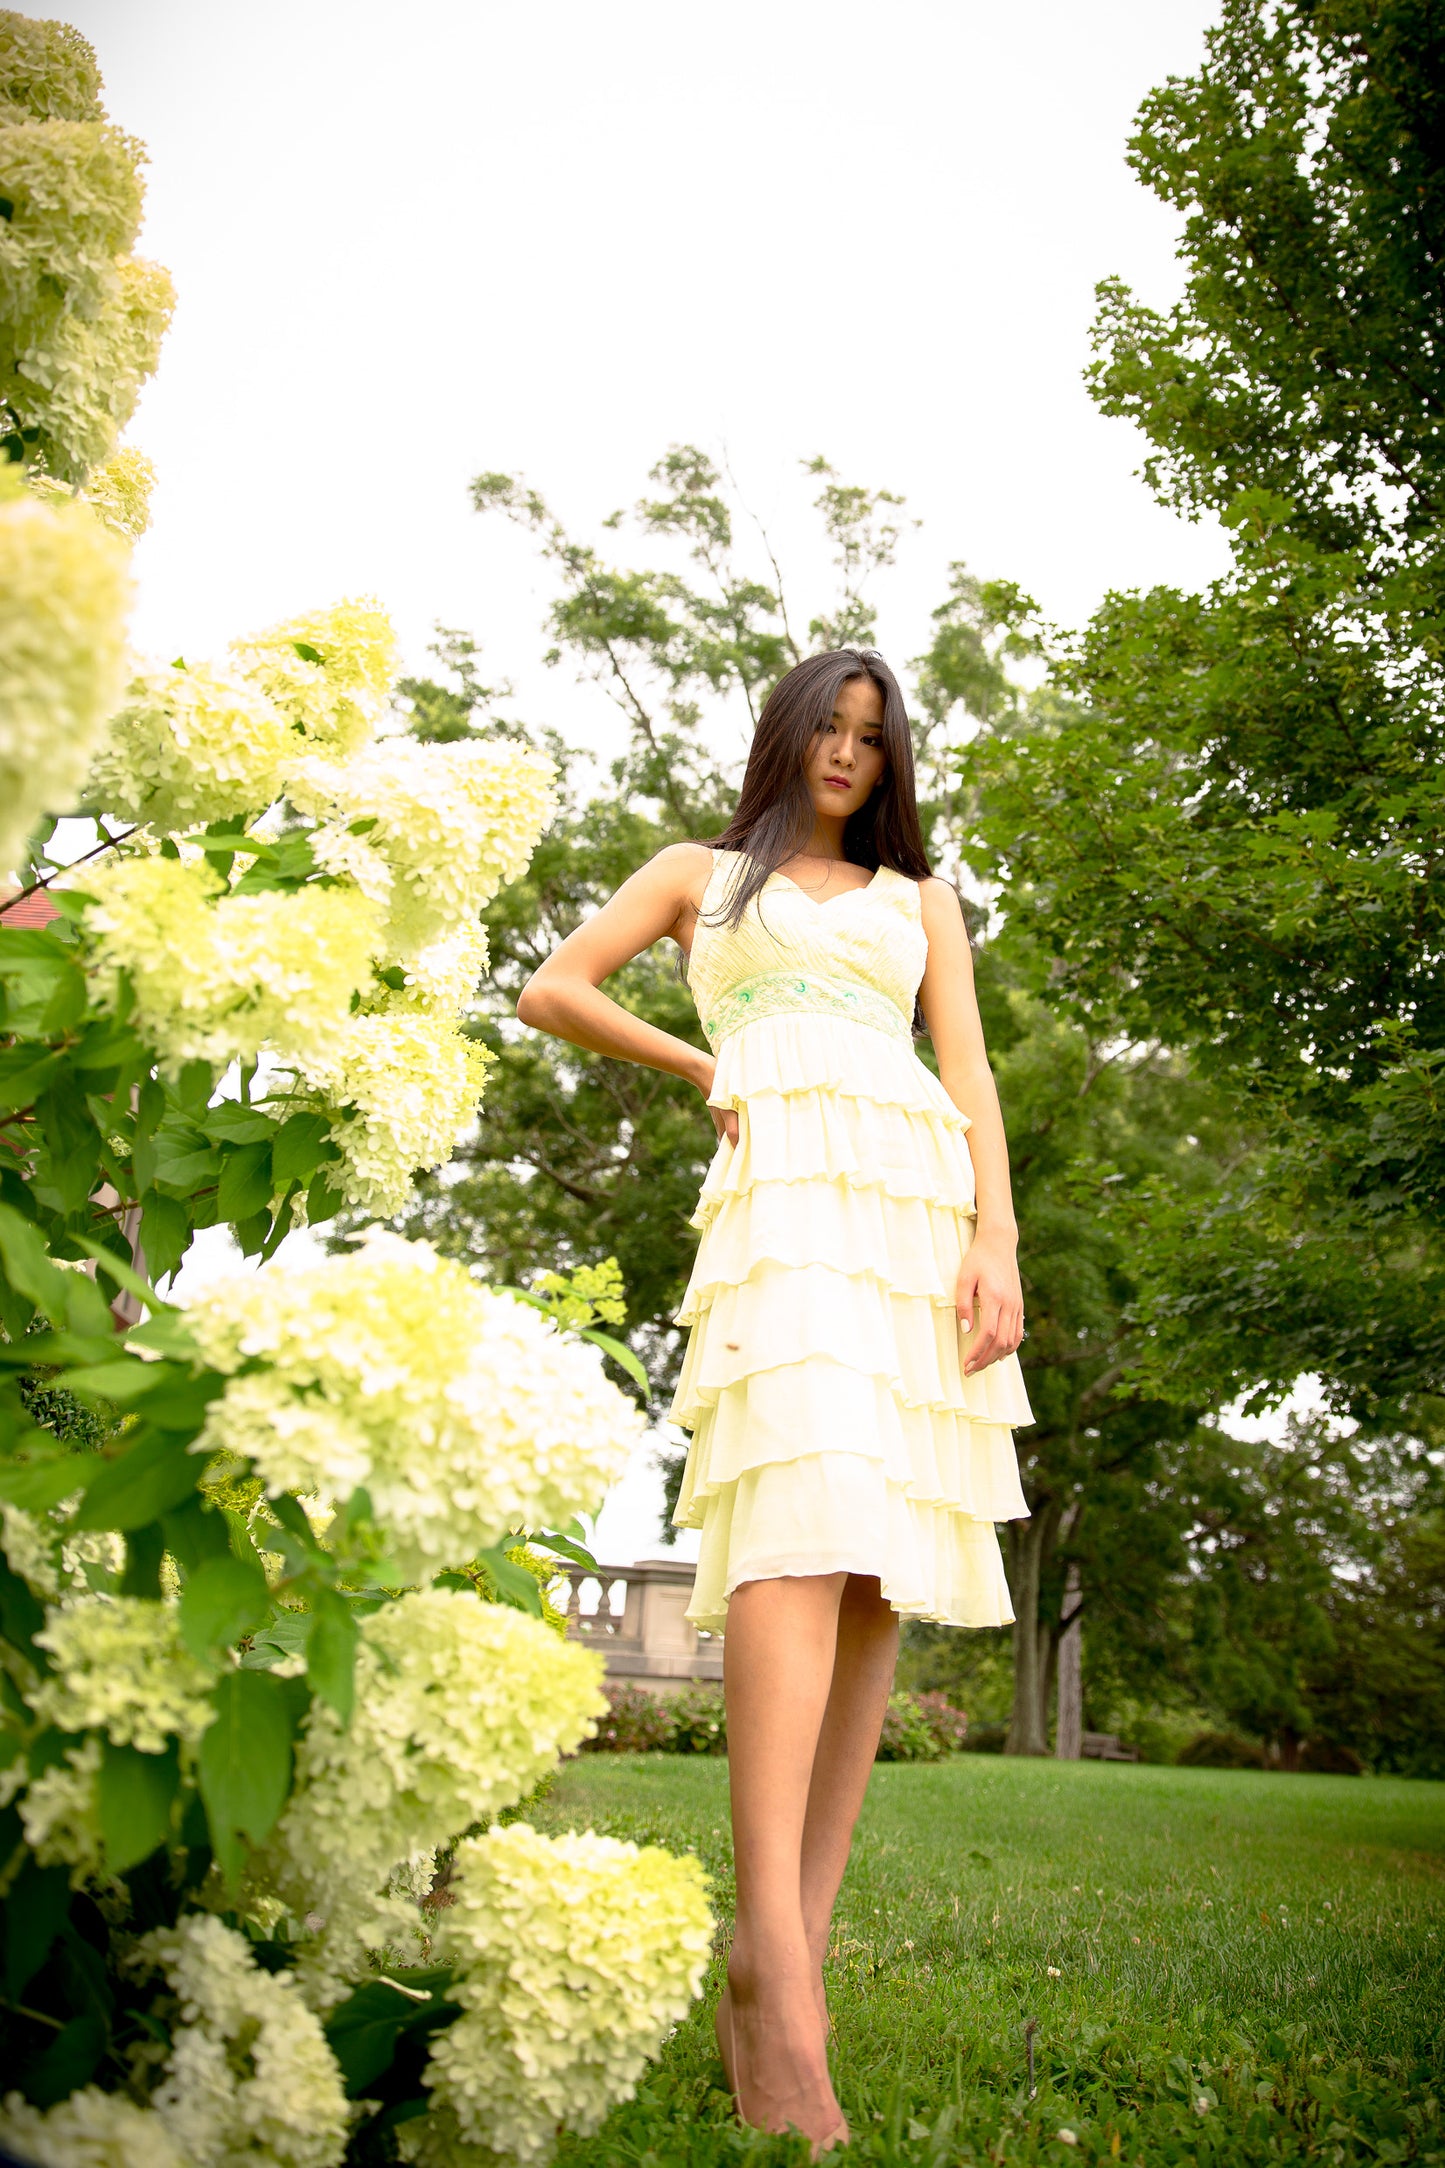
1223	1966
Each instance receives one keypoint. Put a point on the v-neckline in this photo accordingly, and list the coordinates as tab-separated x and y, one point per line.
822	905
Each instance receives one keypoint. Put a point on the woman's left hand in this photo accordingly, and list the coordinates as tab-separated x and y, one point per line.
990	1302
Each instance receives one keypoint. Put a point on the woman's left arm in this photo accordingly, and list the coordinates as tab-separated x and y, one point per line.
988	1285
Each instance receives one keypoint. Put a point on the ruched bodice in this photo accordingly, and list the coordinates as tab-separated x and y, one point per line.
833	1426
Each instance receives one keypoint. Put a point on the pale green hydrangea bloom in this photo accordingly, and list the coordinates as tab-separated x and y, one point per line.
220	981
465	1414
48	69
444	975
329	671
411	1079
576	1955
82	375
60	1813
461	1706
118	493
91	2129
190	746
65	590
122	1668
249	2076
453	822
29	1544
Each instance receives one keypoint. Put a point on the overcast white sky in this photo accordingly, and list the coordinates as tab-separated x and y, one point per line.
414	243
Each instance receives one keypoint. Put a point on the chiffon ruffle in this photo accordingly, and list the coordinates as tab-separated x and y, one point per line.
834	1429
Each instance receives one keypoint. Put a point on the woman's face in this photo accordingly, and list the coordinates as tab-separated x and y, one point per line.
847	757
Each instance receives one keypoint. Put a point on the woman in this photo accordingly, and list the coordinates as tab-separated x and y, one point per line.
851	1376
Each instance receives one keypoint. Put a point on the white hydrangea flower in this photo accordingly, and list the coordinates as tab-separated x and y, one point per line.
65	592
465	1414
329	671
103	1548
452	821
28	1541
31	1542
60	1815
91	2129
577	1954
444	975
217	981
122	1668
461	1706
190	746
249	2076
412	1080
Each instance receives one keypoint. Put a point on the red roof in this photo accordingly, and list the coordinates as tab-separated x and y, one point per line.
36	910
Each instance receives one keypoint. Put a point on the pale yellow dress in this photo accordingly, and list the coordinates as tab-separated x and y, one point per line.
833	1428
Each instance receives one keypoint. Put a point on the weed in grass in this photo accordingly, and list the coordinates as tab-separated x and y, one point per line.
1223	1967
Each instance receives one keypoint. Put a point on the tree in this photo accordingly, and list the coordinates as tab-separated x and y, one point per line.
1230	839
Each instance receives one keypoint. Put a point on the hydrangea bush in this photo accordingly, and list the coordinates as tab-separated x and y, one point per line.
271	1658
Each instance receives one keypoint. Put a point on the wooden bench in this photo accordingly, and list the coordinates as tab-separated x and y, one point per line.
1105	1746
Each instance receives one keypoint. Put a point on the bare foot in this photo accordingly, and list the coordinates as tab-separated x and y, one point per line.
780	2066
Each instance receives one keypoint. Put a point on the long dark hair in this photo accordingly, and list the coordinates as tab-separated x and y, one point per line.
775	817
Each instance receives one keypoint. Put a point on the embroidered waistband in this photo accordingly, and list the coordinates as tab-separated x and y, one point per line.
788	993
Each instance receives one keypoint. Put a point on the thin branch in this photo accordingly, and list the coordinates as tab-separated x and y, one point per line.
109	844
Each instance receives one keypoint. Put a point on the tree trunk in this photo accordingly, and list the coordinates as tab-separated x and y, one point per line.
1069	1732
1030	1544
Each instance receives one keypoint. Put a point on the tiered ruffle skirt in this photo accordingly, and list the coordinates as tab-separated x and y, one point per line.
834	1429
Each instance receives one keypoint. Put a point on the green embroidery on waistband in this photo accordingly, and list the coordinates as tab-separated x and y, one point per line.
791	993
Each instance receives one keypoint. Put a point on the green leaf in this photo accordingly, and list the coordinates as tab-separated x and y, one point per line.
71	2059
194	1086
621	1354
71	1137
308	653
166	1333
195	1532
35	1910
514	1584
25	1070
134	1796
125	1379
144	1550
245	1764
363	2032
565	1547
106	1044
123	1274
144	1483
331	1652
165	1232
36	1484
291	1514
245	1186
322	1201
30	1269
286	1636
223	1599
236	1124
302	1143
184	1158
21	1616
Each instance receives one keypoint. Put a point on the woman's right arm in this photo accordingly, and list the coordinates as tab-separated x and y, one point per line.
564	995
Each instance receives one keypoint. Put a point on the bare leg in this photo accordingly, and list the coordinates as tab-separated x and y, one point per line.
867	1651
779	1657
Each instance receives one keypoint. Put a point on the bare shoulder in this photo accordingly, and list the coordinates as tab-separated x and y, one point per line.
939	899
684	869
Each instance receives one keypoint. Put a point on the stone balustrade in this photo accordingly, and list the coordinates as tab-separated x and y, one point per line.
634	1617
